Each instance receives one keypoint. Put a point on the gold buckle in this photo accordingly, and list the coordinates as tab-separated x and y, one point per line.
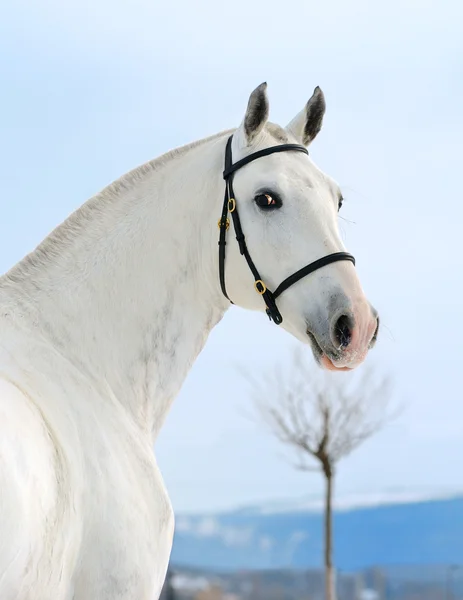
227	224
263	287
231	205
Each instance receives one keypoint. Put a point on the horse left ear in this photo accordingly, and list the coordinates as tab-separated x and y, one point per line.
256	114
306	125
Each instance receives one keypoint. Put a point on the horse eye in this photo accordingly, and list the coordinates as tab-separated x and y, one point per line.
340	201
267	201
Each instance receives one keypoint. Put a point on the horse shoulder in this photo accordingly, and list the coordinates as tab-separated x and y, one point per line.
29	494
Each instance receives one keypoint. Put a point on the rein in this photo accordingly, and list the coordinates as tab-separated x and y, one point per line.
230	206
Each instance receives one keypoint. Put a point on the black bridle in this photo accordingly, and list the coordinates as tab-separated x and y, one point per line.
229	206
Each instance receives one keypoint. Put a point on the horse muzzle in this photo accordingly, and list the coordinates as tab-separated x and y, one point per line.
341	342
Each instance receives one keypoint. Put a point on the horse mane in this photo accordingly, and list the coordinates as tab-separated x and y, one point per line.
127	181
52	245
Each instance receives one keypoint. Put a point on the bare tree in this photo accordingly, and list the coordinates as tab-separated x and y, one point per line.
322	417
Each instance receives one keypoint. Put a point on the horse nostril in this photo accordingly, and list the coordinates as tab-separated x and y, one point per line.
342	331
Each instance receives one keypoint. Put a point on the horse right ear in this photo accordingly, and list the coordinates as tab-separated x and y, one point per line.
306	125
256	115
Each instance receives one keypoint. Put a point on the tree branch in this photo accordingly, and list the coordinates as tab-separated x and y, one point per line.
322	416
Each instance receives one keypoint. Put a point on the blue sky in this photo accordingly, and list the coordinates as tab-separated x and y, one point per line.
92	89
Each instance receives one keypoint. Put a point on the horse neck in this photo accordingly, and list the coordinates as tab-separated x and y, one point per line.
127	288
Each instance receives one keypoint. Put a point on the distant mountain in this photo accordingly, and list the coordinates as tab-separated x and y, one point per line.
406	530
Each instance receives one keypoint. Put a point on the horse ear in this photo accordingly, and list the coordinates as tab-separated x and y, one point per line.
306	125
256	113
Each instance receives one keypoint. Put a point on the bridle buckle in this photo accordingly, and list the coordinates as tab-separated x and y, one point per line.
260	287
221	222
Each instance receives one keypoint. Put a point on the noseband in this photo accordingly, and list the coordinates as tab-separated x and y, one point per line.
230	206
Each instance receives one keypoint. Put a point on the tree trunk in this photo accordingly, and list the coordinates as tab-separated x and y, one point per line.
330	591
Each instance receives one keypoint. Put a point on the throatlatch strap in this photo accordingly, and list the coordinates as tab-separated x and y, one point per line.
223	225
230	206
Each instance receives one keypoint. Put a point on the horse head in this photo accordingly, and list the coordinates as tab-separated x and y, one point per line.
284	211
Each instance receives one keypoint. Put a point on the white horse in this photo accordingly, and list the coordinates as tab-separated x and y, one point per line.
101	323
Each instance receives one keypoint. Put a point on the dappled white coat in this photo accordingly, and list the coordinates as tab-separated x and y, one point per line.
98	329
